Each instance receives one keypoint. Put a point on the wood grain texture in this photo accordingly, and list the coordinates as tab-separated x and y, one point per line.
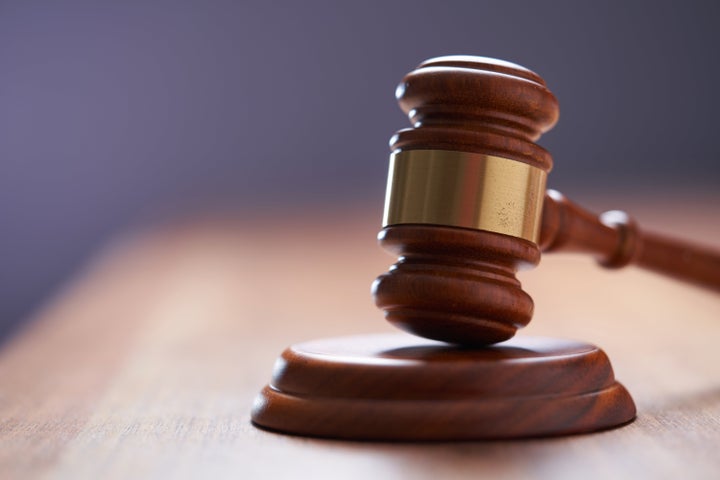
616	241
401	387
146	366
455	284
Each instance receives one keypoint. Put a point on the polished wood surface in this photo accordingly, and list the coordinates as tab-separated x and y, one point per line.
400	387
147	364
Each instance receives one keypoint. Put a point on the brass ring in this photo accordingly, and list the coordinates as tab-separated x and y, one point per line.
469	190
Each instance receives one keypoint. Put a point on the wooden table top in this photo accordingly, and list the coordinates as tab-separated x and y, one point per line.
146	364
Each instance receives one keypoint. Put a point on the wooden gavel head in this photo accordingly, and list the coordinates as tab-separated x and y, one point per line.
464	199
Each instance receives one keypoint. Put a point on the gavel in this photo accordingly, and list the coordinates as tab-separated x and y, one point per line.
466	206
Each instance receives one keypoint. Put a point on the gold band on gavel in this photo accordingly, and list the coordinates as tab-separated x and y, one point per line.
469	190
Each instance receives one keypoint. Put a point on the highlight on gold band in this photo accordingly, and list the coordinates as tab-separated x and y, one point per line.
470	190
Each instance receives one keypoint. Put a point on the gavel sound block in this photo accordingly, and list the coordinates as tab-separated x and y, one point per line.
466	208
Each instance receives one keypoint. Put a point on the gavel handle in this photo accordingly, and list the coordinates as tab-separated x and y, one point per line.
615	240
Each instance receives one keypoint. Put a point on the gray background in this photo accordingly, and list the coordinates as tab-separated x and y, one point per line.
115	114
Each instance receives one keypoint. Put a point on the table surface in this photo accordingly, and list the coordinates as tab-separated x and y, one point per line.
147	363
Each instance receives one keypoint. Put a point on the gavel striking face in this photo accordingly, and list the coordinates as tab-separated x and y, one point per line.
466	206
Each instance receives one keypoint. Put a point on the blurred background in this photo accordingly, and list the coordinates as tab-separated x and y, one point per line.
119	115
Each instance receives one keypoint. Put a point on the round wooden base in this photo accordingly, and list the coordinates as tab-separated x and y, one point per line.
399	387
